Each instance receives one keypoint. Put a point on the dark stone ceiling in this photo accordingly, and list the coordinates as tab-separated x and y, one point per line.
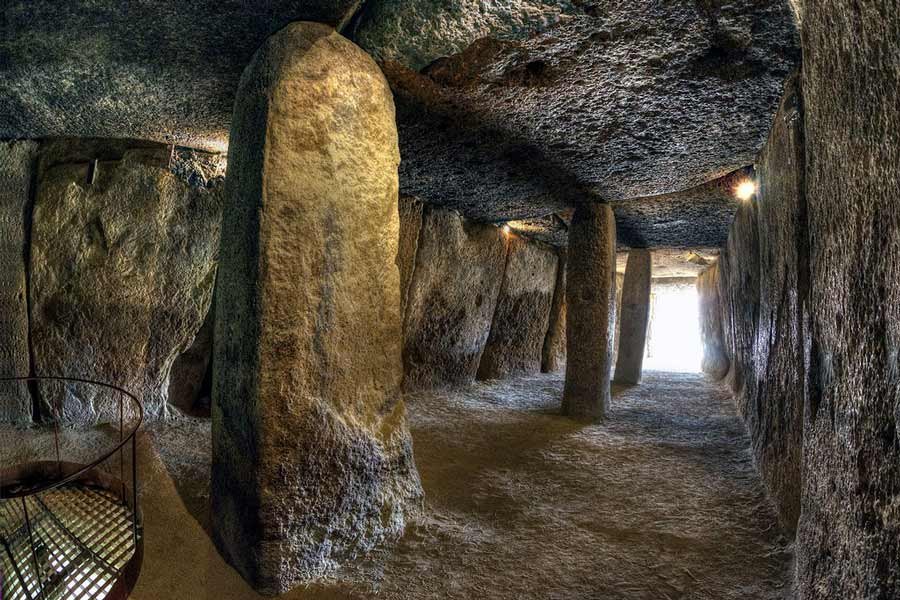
506	110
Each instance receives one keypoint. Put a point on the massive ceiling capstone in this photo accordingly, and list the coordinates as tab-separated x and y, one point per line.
515	109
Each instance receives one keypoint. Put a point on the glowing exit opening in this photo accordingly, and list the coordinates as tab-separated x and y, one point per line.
673	340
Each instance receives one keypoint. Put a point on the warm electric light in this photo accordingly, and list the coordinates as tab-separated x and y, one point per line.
745	189
505	229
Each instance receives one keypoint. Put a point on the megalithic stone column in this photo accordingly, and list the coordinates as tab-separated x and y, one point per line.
591	311
634	316
312	458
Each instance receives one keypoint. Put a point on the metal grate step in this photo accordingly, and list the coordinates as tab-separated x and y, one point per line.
83	537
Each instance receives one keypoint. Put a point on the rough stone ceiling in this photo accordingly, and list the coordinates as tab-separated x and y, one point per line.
160	71
621	100
511	109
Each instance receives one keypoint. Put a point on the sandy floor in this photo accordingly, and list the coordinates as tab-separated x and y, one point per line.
660	502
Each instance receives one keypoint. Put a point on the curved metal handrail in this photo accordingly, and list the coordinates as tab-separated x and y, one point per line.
27	481
123	439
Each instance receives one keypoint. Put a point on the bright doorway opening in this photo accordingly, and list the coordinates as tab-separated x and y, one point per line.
673	339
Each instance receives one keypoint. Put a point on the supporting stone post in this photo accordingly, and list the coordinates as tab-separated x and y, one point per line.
312	458
591	306
634	316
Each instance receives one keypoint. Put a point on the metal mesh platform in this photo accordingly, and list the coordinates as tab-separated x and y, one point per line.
70	542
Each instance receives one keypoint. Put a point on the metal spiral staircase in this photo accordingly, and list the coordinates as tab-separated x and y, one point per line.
72	530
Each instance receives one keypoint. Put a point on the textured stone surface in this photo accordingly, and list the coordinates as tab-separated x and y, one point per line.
849	533
312	458
163	71
763	286
775	417
418	31
590	316
715	362
620	283
739	274
630	100
452	297
669	263
17	162
122	274
190	377
633	317
410	224
553	355
522	315
698	217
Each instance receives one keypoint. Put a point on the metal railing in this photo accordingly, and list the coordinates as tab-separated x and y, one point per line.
71	529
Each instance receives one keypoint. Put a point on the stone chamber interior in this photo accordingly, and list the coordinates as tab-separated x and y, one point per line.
461	299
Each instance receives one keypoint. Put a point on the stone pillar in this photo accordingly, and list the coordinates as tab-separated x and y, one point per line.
312	458
715	362
634	316
590	318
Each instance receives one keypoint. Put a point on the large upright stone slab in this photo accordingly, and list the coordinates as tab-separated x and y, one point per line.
634	317
775	415
451	299
522	315
848	542
715	363
123	260
16	173
591	316
553	356
312	458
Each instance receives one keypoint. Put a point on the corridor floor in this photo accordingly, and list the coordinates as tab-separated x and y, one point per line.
659	502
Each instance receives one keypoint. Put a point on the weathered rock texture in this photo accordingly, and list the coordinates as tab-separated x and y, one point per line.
849	534
634	317
410	225
620	284
521	318
553	355
123	259
190	378
674	264
591	311
312	458
452	297
628	100
418	31
811	304
762	286
163	71
715	361
776	412
16	173
699	217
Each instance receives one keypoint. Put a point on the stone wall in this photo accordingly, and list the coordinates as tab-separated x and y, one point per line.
810	304
477	302
119	242
522	316
452	292
849	532
759	283
17	163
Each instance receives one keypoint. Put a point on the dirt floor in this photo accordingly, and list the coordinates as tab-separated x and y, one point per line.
660	502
